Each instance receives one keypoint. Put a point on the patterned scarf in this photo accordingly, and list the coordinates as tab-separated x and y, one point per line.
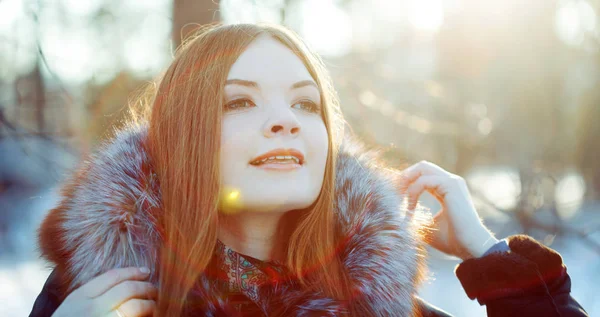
241	277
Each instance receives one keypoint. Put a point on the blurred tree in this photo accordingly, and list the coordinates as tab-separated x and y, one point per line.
495	63
587	155
107	106
189	14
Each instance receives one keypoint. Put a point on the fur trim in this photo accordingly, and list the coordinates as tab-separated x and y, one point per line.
527	265
109	217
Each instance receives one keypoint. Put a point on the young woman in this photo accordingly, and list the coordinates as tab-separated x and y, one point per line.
241	195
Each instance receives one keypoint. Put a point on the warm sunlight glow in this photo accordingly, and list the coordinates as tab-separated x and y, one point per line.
326	27
574	20
148	51
485	126
426	15
569	195
499	185
389	10
70	52
9	13
367	98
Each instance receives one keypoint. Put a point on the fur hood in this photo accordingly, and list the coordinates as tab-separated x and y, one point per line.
109	217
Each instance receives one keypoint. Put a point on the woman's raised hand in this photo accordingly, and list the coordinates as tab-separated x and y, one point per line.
123	289
458	229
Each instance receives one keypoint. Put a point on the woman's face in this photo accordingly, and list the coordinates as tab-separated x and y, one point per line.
272	103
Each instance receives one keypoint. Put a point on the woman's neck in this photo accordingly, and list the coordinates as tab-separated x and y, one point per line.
250	233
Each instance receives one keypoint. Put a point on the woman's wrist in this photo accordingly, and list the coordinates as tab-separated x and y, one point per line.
479	243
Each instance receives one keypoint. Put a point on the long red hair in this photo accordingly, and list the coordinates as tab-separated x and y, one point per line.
184	111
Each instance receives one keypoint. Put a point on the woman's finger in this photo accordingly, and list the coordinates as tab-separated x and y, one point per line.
415	171
431	183
125	291
103	282
138	307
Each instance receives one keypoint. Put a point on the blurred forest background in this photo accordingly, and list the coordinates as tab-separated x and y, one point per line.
504	93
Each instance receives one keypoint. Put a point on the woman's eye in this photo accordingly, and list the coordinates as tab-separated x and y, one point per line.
239	104
308	105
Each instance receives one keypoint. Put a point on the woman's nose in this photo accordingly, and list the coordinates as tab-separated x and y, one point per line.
282	123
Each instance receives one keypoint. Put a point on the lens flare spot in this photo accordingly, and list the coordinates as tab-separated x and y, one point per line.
234	195
230	200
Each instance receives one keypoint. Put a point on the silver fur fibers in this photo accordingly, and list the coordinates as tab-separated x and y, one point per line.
110	214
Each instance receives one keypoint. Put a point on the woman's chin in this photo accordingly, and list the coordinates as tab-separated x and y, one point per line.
269	205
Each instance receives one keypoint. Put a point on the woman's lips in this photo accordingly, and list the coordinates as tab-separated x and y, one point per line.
279	166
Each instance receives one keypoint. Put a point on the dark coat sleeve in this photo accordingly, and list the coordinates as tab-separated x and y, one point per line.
49	298
528	280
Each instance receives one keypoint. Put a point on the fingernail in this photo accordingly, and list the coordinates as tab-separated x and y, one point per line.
144	270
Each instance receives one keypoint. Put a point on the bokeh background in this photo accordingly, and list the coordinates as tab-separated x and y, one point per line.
503	93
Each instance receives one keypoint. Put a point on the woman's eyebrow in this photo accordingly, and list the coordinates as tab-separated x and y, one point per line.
241	82
252	84
304	83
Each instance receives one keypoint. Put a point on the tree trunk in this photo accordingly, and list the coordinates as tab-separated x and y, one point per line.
188	15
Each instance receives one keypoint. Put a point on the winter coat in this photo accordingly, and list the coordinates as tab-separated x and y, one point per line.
109	218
